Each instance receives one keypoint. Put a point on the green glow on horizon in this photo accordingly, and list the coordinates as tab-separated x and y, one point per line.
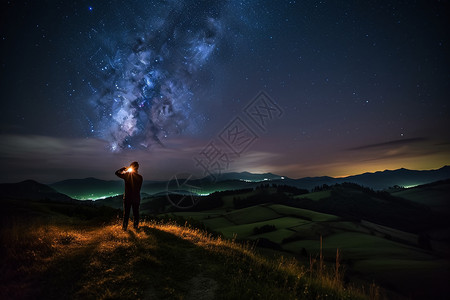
94	197
410	186
260	180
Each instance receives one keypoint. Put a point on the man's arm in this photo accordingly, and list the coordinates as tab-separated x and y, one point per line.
119	173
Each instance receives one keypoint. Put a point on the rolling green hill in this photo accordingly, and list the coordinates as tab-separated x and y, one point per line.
434	195
400	243
49	251
352	221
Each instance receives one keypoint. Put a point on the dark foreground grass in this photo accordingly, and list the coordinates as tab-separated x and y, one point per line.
67	251
57	260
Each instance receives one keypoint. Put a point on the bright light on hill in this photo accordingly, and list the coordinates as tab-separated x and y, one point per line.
94	197
260	180
410	186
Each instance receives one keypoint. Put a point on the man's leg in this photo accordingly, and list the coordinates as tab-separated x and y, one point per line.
136	214
126	214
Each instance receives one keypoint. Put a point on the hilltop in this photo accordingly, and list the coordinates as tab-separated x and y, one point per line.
59	255
32	190
398	238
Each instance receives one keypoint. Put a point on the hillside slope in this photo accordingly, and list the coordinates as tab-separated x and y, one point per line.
74	259
401	245
30	189
88	188
436	195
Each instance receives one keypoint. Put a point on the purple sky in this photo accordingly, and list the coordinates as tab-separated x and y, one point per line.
349	87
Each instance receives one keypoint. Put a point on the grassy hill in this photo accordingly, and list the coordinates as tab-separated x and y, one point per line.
392	258
387	239
72	251
270	242
435	195
33	190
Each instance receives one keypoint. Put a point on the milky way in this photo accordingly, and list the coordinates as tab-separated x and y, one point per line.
83	79
145	76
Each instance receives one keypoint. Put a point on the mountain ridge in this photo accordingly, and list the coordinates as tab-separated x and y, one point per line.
32	190
94	188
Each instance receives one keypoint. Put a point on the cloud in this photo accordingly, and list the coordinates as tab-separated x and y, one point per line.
254	161
49	159
418	148
16	146
391	143
415	153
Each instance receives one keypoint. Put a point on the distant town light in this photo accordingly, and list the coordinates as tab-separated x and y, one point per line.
410	186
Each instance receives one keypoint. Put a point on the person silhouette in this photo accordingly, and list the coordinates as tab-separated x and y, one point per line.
132	194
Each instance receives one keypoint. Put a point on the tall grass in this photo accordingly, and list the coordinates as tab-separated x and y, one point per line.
298	280
161	260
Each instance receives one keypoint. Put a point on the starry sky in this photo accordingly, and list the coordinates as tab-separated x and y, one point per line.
296	88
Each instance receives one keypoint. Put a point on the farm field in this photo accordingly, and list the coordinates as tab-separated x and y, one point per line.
387	256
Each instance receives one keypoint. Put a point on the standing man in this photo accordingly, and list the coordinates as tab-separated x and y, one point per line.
132	195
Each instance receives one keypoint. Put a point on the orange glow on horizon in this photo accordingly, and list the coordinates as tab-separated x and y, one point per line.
411	164
344	167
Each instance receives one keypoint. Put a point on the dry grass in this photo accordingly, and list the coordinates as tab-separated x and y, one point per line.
295	275
159	261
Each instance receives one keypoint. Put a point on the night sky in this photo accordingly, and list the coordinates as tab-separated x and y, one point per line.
296	88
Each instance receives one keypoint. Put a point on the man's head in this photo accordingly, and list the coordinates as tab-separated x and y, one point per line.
134	165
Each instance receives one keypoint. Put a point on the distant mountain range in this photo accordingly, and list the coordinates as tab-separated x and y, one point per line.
92	188
249	177
378	181
31	190
89	188
382	179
